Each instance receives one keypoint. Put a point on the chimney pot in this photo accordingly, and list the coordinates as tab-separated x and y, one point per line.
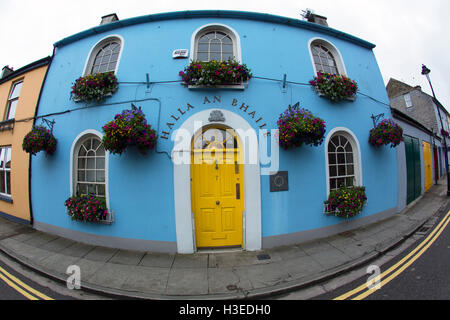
109	18
6	70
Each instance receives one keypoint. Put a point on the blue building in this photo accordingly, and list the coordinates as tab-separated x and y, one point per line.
162	201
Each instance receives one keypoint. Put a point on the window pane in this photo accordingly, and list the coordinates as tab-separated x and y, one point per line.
100	151
332	158
102	68
90	163
81	175
203	47
215	47
12	110
87	144
15	92
100	176
202	56
2	182
81	189
349	182
333	171
81	163
341	158
349	157
341	170
91	188
8	157
100	163
340	182
350	170
101	190
333	184
215	56
227	56
8	182
90	175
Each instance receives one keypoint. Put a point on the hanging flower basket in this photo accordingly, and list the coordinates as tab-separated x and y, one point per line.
39	139
334	87
215	73
386	132
86	208
129	128
94	87
297	126
345	202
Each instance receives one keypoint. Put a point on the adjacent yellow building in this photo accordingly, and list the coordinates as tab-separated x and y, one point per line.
19	95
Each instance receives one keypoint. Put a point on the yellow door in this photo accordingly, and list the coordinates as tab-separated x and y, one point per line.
427	165
217	188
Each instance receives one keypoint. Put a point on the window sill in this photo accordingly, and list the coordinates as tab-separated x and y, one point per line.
238	86
6	198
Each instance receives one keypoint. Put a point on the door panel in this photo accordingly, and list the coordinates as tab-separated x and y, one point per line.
413	168
216	205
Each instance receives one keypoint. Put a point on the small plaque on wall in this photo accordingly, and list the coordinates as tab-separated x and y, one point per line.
279	181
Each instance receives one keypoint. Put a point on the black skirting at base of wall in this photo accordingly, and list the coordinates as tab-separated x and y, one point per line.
14	218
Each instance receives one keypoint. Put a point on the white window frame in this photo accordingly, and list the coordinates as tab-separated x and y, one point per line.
408	101
74	164
333	50
3	158
351	137
216	27
97	47
11	100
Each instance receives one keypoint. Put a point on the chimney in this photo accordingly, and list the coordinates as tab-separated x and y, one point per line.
6	71
418	88
310	16
109	18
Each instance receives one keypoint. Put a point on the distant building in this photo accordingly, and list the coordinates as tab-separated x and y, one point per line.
425	123
19	95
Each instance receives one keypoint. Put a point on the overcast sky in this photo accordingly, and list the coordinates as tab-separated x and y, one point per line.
406	33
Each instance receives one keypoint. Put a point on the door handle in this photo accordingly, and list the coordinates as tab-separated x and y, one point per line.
217	202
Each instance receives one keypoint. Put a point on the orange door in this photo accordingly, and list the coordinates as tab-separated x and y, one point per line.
427	165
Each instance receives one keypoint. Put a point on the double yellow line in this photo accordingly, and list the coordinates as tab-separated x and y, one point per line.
21	287
400	266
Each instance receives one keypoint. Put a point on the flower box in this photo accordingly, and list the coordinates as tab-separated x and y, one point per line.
345	202
297	126
39	139
88	208
129	128
334	87
386	132
215	74
94	87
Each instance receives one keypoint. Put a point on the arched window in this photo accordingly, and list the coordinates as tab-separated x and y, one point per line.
343	161
104	57
89	161
215	42
326	58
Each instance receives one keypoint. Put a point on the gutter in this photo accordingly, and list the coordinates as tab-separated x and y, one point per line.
214	14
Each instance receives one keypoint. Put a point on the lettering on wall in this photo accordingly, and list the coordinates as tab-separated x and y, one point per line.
207	101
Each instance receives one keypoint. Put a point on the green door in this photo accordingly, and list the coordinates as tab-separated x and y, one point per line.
413	169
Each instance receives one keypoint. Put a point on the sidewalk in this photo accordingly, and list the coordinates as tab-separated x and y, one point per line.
227	275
